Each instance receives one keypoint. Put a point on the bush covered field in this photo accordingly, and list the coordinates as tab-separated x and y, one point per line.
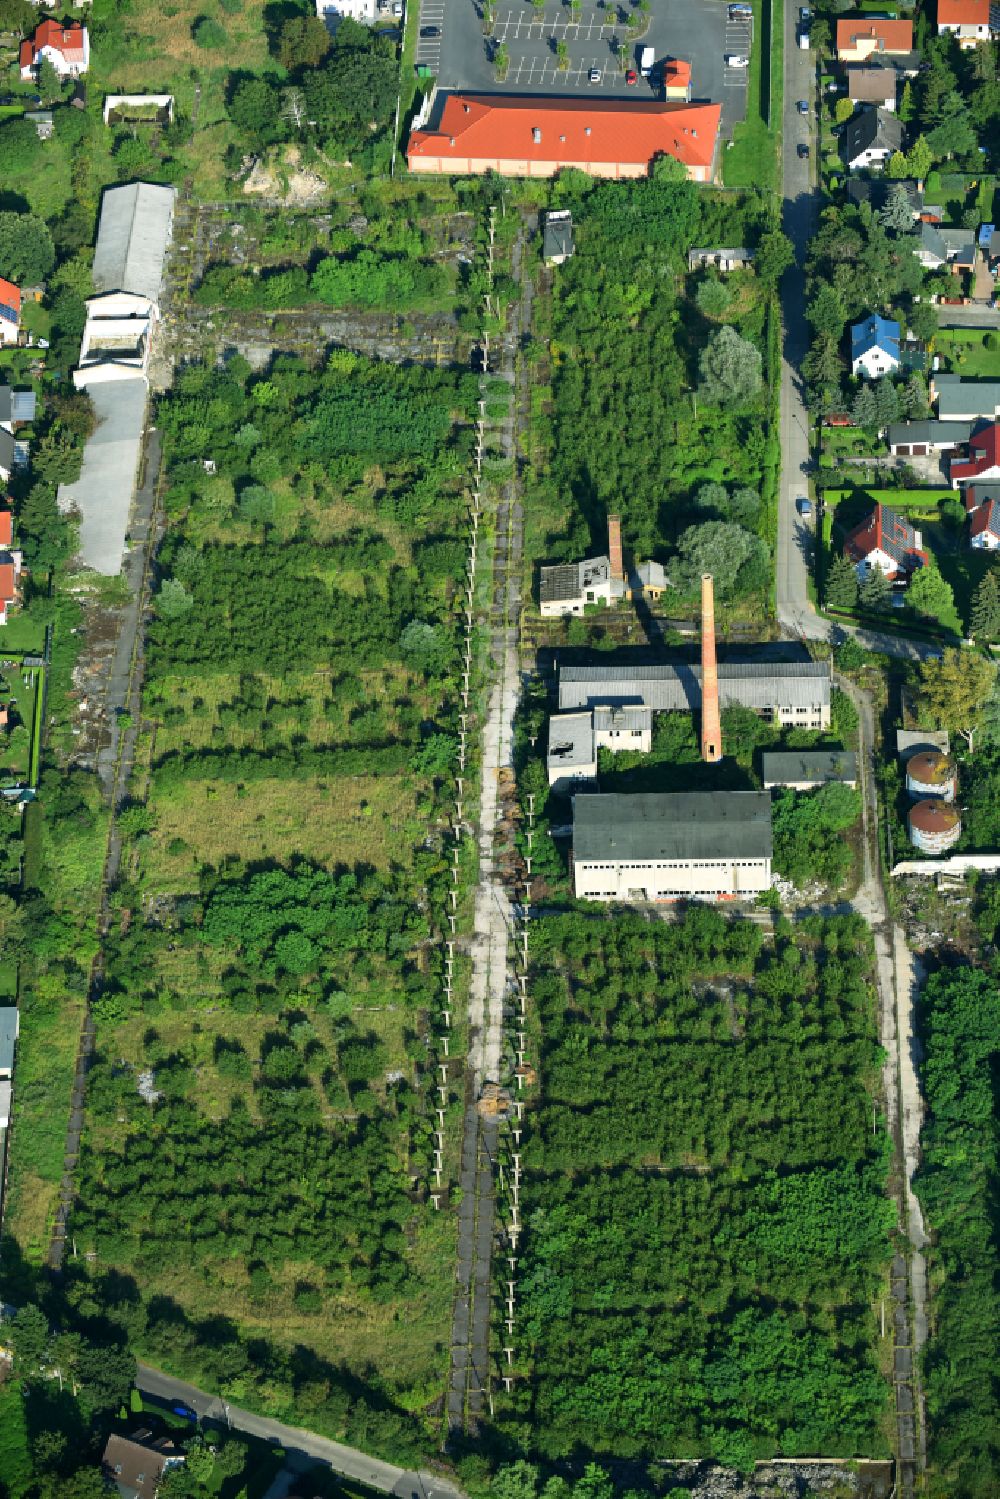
626	418
707	1226
960	1025
258	1106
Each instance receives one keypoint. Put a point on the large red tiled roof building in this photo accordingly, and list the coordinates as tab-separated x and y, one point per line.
67	48
531	137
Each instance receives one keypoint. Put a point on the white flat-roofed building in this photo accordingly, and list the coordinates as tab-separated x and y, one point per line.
576	738
666	846
795	693
116	338
570	586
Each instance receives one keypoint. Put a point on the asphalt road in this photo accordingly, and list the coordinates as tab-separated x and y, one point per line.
299	1444
796	536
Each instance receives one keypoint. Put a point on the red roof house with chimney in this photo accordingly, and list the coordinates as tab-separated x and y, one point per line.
10	311
983	462
967	20
10	565
867	38
887	541
536	137
66	47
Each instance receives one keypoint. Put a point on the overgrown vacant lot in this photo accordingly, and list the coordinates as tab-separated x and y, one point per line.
258	1115
707	1225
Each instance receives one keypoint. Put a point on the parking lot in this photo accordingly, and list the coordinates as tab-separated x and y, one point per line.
698	31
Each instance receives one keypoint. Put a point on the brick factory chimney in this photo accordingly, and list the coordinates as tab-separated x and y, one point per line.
711	725
615	547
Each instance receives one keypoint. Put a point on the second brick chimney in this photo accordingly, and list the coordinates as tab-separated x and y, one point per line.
711	724
615	547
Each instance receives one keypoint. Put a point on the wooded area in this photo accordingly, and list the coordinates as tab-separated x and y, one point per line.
708	1228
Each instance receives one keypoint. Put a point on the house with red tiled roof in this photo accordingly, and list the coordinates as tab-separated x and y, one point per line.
983	462
887	541
869	38
66	47
967	20
10	565
10	311
525	136
984	525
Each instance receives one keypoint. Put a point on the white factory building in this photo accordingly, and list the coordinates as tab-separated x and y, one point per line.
575	738
667	846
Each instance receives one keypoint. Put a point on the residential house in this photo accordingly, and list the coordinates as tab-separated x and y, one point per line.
9	1029
961	400
136	1464
875	192
984	525
872	86
803	770
925	438
869	38
967	20
10	312
983	463
887	541
875	347
10	566
523	136
944	245
557	236
667	846
67	48
870	138
735	258
16	407
677	79
570	586
782	692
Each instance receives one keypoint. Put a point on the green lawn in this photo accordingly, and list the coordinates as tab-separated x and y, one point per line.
966	353
22	634
752	159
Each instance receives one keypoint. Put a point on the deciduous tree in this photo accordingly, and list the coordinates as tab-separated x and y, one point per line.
953	689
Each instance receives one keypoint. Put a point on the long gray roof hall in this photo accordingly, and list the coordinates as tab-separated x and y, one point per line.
677	686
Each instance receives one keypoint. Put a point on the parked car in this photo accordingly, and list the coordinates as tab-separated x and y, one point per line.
594	76
804	39
803	106
631	77
804	505
185	1411
805	14
803	149
646	59
430	31
740	12
736	60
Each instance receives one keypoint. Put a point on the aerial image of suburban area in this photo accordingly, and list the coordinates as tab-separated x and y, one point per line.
499	749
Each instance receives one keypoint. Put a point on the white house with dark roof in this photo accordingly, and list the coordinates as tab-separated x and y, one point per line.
870	138
873	85
668	846
961	400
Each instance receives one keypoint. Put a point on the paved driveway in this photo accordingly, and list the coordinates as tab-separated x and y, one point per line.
697	31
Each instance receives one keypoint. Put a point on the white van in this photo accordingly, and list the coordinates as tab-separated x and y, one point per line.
646	59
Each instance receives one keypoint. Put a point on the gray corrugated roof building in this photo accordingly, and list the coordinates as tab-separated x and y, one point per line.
970	400
672	825
808	767
132	239
675	687
16	405
634	720
8	1038
103	492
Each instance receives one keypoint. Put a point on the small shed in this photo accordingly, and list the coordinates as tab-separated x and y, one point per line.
42	121
557	236
729	258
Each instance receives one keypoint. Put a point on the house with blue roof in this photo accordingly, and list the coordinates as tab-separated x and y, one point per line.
875	347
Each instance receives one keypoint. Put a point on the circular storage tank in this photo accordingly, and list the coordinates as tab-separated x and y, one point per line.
931	774
934	826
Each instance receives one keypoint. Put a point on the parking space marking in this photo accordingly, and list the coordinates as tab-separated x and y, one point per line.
514	25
